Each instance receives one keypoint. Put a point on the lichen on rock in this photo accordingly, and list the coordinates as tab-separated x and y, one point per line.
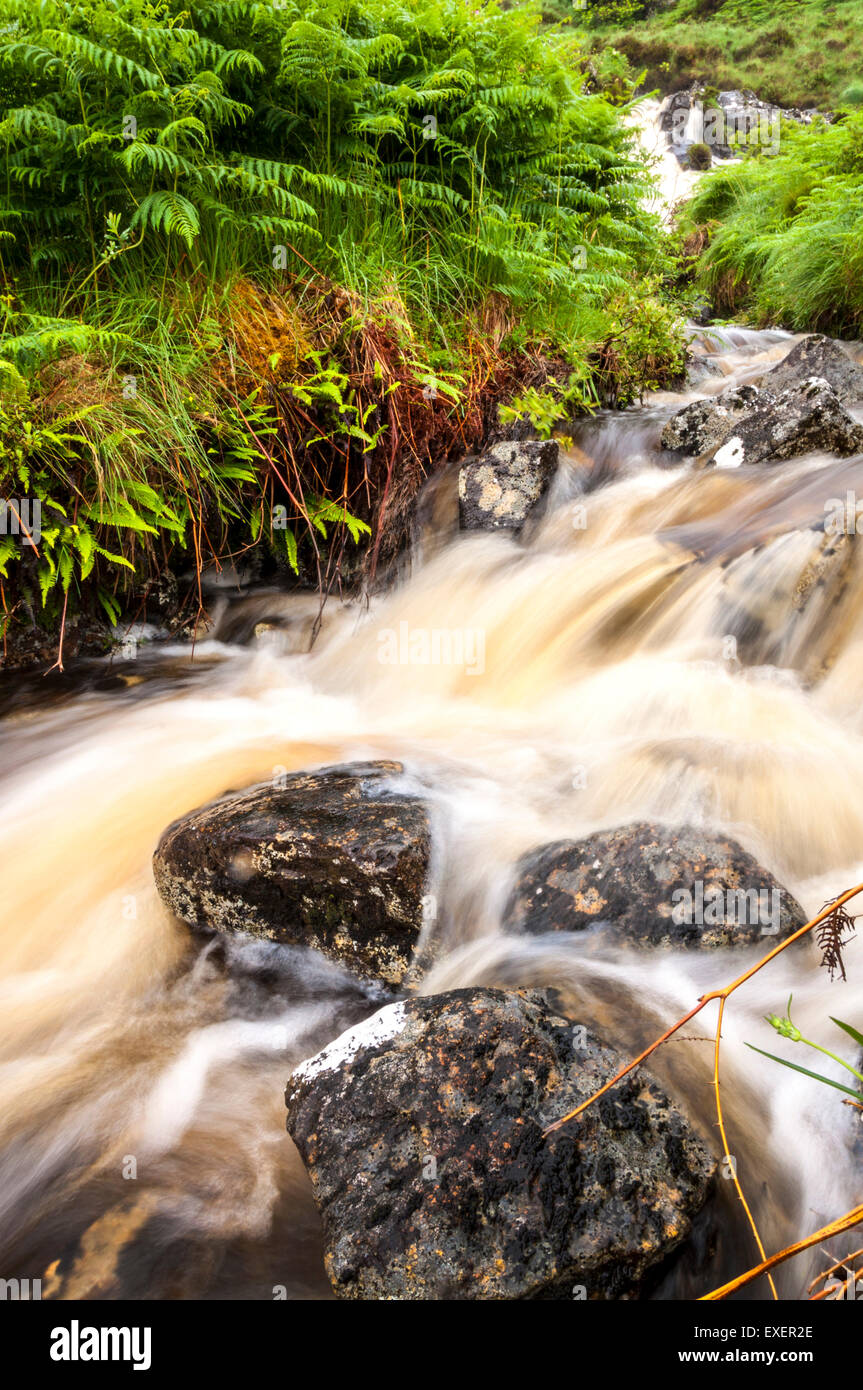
423	1135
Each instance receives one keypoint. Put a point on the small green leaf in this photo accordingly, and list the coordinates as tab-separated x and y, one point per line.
110	605
846	1028
816	1076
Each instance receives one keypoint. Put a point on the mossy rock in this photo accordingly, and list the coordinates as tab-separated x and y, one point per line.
699	156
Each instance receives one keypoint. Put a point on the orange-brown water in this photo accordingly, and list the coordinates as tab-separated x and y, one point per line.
602	688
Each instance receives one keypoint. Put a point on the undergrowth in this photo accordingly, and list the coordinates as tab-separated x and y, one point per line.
782	235
266	266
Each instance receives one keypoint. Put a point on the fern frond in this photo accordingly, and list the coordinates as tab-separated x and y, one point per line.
170	213
92	57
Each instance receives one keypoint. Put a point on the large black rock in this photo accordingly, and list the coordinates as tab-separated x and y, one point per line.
652	886
822	357
422	1131
335	859
701	425
751	426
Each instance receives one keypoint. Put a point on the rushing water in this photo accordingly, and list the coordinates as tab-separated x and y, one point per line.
671	181
603	689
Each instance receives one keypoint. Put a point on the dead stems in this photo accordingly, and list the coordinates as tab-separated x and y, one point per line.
834	912
835	1228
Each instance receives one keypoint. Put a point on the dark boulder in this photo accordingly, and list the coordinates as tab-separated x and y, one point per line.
335	859
652	886
748	425
676	107
498	490
821	357
422	1131
803	419
705	424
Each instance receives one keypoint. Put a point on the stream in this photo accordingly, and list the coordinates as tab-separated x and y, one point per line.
142	1067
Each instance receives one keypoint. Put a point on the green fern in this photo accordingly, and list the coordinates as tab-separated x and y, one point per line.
388	171
170	213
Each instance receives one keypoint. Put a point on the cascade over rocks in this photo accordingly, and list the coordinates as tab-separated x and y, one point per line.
422	1131
500	489
335	859
748	424
648	886
697	114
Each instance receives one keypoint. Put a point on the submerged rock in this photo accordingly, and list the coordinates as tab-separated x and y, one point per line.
788	601
701	367
822	357
335	859
746	424
649	885
500	489
422	1131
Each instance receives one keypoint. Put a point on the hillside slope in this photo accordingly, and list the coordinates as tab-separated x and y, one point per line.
793	52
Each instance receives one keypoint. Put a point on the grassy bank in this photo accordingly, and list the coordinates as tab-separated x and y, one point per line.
782	235
265	267
792	52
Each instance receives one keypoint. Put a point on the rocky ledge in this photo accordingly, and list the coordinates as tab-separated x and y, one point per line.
336	860
725	120
650	886
423	1134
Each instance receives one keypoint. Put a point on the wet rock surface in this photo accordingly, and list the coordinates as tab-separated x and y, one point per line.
725	120
498	490
336	860
822	357
651	886
422	1131
751	425
702	425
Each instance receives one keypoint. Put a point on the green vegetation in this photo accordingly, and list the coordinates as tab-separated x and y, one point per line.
791	52
784	232
700	156
266	265
787	1028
